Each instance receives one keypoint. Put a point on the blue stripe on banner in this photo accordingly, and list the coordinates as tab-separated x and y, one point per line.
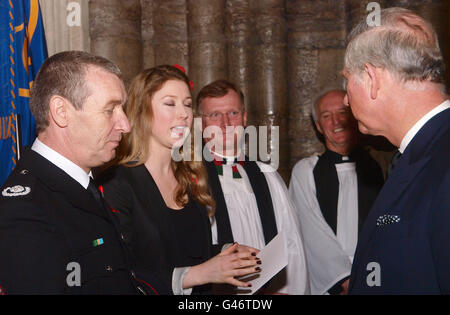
22	34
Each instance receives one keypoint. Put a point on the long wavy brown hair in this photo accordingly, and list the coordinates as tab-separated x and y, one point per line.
134	147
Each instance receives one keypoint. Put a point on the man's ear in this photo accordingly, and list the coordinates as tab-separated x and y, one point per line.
374	80
58	110
244	119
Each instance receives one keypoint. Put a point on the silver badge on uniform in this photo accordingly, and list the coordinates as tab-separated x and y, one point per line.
16	191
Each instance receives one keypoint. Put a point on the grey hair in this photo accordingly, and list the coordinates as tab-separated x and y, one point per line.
315	104
404	44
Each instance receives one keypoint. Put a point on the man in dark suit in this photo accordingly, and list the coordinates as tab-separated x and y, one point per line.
395	89
56	234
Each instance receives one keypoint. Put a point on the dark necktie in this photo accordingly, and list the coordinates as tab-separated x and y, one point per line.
393	163
104	209
95	192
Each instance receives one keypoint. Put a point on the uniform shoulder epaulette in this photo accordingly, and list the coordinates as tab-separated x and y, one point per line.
19	184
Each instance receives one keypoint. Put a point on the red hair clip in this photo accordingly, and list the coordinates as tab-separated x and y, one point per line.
181	68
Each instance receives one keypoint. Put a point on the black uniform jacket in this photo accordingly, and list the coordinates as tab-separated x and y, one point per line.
144	218
53	233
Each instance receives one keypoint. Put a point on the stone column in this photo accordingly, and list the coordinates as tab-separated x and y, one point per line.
147	33
169	40
267	102
207	43
239	35
115	33
316	46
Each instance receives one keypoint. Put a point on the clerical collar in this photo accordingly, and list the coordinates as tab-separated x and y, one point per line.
418	125
227	160
336	157
73	170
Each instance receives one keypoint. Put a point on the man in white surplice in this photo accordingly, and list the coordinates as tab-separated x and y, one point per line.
252	201
333	193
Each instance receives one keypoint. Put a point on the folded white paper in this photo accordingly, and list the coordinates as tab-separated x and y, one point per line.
274	257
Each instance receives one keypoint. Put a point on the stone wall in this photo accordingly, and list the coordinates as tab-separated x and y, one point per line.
282	53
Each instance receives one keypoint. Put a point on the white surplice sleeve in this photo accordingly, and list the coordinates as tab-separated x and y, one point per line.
294	278
327	261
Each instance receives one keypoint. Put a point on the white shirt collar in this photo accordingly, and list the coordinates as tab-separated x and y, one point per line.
418	125
62	162
229	159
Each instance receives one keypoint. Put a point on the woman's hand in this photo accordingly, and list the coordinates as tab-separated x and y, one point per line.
235	261
245	249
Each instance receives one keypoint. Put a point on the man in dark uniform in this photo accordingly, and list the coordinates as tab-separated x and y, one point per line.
57	236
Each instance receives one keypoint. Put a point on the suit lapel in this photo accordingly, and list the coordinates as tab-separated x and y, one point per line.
415	157
155	207
402	177
147	190
57	180
146	187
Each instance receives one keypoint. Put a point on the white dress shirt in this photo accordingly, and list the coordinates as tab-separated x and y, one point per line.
418	125
73	170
